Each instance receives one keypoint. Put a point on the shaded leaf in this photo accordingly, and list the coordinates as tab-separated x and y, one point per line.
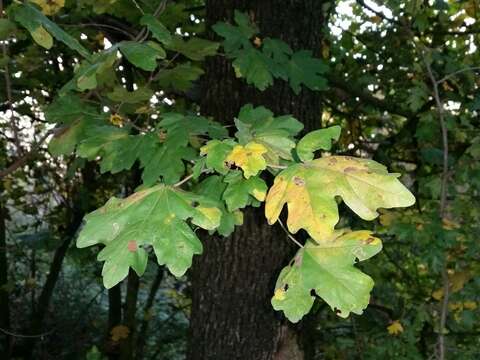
155	216
315	140
327	268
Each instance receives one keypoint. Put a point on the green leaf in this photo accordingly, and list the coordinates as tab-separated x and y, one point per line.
238	36
239	191
180	77
315	140
195	48
153	217
89	72
159	31
275	133
142	55
278	54
7	28
120	94
217	152
69	108
253	65
38	25
327	268
304	69
213	188
97	138
310	189
66	139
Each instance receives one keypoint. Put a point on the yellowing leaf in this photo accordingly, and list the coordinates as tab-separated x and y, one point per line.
327	269
470	305
457	281
395	328
279	294
249	158
455	306
438	294
116	120
449	224
155	217
310	189
119	332
50	7
42	37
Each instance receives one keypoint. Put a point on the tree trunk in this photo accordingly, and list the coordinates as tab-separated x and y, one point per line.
234	278
111	349
129	317
74	220
142	335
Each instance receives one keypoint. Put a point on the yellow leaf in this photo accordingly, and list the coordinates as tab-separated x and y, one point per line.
470	305
456	282
257	41
238	217
449	225
438	294
50	7
116	120
279	294
395	328
249	158
119	332
310	191
42	37
455	306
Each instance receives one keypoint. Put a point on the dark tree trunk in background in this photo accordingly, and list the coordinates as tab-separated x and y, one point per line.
4	296
234	279
111	349
142	334
74	219
129	319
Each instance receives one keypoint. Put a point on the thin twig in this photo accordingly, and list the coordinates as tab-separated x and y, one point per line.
443	199
184	180
7	332
443	314
290	236
26	157
443	125
445	78
106	26
138	7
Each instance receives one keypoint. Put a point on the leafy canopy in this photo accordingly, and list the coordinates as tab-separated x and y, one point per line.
197	176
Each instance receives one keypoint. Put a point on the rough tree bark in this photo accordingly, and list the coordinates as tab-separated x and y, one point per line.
233	279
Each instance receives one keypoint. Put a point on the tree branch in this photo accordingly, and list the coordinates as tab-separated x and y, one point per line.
354	91
26	157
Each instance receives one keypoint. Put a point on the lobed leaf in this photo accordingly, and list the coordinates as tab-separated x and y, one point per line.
310	189
157	217
327	268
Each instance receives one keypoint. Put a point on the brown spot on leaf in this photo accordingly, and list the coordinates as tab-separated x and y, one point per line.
350	169
369	240
132	246
298	181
